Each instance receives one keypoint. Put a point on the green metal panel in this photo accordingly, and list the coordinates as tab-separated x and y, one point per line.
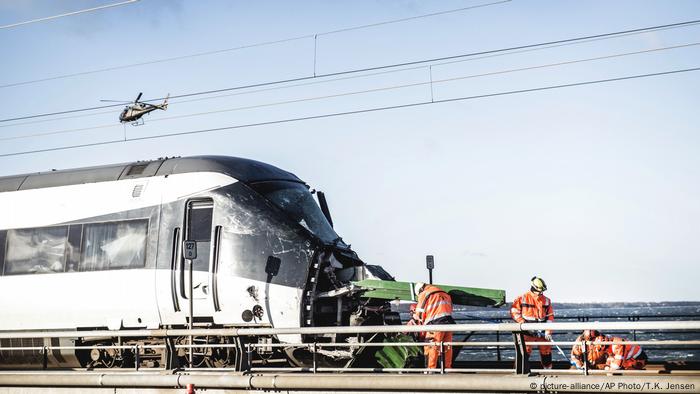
392	290
397	357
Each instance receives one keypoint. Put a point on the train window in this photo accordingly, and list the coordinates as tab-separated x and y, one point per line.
114	245
36	250
297	203
75	234
199	221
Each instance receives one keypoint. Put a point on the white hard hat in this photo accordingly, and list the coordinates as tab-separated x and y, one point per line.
417	287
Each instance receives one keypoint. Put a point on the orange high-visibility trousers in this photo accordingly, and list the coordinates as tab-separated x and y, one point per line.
545	350
432	353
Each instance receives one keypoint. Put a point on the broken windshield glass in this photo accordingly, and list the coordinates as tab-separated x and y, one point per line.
299	205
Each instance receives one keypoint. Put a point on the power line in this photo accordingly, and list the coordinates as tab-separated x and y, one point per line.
558	64
385	88
413	18
68	14
246	46
55	119
354	112
383	67
56	132
314	82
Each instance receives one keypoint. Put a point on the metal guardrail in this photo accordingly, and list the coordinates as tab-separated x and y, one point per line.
465	316
344	383
487	327
515	328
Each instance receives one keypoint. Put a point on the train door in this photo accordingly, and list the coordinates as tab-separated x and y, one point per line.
198	227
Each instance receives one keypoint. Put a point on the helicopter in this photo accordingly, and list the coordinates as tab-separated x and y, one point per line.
132	113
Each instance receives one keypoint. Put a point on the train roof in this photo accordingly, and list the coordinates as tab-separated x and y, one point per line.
244	170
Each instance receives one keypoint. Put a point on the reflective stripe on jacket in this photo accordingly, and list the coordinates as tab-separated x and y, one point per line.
532	308
433	303
596	355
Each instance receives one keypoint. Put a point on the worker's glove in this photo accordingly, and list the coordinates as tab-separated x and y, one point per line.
548	337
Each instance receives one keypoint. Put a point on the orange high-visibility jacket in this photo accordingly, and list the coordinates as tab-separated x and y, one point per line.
433	303
595	354
532	308
621	354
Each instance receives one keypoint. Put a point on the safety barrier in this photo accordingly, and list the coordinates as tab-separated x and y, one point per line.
516	329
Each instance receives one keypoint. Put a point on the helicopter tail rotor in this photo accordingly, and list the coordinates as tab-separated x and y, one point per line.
164	106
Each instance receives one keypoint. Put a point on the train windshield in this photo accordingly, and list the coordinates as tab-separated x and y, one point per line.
297	202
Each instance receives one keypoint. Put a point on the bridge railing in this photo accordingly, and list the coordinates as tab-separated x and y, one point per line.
498	353
517	330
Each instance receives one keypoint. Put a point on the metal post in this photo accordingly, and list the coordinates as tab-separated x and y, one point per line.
137	357
313	351
45	357
191	322
498	347
522	363
430	264
190	253
442	357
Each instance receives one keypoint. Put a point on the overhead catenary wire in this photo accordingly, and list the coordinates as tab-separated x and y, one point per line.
354	112
382	67
68	14
246	46
410	18
321	80
324	81
431	82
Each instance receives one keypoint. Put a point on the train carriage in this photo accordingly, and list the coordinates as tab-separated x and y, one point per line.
99	248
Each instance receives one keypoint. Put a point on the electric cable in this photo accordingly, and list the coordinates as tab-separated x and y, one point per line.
324	81
246	46
354	112
68	14
412	18
385	88
397	71
395	65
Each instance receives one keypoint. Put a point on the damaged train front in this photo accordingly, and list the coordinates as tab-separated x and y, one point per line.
329	296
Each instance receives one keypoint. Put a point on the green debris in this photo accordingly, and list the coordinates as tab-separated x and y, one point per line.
397	356
393	290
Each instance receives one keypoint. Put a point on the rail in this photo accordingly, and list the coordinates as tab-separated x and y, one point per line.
516	329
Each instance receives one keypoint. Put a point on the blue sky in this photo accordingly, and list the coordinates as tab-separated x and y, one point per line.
595	188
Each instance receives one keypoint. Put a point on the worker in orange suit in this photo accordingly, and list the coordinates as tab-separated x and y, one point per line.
622	355
595	358
435	307
534	307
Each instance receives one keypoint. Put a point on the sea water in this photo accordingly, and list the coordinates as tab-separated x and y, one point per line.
589	312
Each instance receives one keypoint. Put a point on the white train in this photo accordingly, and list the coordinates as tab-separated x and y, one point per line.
99	248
